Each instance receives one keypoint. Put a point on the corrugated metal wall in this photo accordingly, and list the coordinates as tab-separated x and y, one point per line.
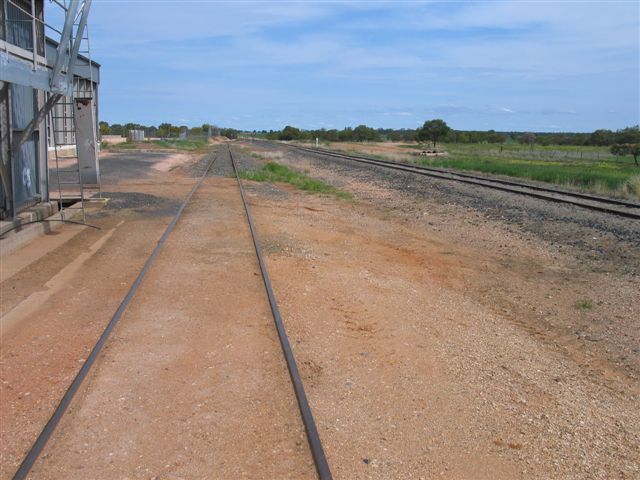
5	138
26	177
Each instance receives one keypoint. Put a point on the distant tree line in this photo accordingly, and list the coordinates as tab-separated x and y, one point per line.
443	133
166	130
622	142
361	133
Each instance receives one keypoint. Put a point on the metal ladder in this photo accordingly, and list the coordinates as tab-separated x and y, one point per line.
94	129
68	177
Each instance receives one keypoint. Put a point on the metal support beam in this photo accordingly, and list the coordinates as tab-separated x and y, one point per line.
14	70
34	36
58	80
5	172
86	5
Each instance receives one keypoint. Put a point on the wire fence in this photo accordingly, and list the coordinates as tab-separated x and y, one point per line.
548	155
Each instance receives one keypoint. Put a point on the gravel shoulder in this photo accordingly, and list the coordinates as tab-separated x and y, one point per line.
431	305
534	260
195	354
436	327
60	302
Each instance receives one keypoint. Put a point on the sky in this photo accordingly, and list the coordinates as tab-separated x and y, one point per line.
507	66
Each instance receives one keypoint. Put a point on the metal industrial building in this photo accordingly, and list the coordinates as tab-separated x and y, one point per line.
85	85
48	98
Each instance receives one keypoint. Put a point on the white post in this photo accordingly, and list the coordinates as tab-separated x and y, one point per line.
316	141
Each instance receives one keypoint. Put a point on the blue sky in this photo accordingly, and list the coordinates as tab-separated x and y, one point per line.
538	66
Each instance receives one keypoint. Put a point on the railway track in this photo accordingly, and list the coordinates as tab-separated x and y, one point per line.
315	445
592	202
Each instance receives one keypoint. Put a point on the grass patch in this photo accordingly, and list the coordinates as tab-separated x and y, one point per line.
632	186
123	146
584	304
274	172
586	168
607	176
187	144
414	146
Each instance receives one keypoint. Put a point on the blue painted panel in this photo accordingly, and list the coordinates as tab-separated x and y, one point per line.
22	106
25	173
25	165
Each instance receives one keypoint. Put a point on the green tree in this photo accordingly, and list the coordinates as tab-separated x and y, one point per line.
345	135
527	139
230	133
627	142
132	126
628	135
495	137
362	133
116	129
433	130
332	135
167	130
622	149
289	133
104	128
602	138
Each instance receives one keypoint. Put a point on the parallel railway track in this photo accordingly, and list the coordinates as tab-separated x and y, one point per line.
319	458
611	206
317	451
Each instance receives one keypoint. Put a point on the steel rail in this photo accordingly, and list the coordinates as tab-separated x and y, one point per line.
586	196
47	431
319	457
496	184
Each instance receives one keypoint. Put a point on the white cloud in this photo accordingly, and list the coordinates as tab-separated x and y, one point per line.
537	58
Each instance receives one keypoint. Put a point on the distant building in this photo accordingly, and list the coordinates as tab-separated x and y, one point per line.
135	135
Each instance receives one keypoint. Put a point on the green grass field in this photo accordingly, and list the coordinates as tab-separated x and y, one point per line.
587	168
187	145
120	146
517	148
275	172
